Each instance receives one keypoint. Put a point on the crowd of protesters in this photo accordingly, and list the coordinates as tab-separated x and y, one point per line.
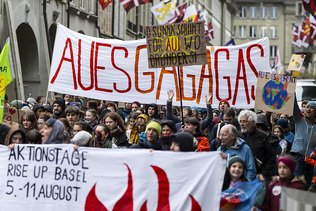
275	149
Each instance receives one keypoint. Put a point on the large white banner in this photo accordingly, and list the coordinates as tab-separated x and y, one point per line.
55	177
110	69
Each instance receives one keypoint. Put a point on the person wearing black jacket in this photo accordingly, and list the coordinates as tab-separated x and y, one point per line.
258	141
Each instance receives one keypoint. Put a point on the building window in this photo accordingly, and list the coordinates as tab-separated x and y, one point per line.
243	12
274	13
273	32
299	9
263	12
242	31
273	51
263	31
253	12
132	17
253	31
82	4
92	7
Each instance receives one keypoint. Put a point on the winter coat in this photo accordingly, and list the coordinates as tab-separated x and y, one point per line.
262	151
119	138
241	149
273	194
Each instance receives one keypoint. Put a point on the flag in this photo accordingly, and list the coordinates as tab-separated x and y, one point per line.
310	6
105	3
278	67
209	32
164	11
6	74
312	22
242	195
179	13
231	42
305	33
190	15
295	33
129	4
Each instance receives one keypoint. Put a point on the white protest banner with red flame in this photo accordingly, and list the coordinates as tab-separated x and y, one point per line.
55	177
117	70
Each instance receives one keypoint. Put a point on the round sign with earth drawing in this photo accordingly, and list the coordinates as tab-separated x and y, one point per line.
275	94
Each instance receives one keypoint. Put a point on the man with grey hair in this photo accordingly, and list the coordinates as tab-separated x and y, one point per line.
259	144
233	146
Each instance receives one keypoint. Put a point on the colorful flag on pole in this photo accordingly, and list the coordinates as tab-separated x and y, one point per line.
164	11
209	32
278	67
6	74
305	33
105	3
190	15
129	4
310	6
179	13
312	21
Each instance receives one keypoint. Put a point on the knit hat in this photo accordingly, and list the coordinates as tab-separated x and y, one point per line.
288	161
311	104
31	101
60	102
283	123
185	141
48	108
235	159
81	138
144	116
37	106
170	124
155	125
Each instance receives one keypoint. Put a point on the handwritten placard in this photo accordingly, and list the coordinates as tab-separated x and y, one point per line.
176	45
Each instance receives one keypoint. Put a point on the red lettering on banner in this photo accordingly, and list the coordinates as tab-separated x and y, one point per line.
192	86
123	71
173	72
68	46
209	77
253	68
99	67
91	67
151	74
241	65
227	78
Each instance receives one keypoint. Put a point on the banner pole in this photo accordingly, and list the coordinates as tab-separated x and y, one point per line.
180	87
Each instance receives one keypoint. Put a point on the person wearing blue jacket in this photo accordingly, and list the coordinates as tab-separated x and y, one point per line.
232	145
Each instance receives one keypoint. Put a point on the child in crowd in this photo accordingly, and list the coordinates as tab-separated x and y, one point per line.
286	166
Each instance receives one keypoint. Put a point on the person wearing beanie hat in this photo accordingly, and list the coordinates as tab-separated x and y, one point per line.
59	107
38	109
150	138
183	142
286	167
81	138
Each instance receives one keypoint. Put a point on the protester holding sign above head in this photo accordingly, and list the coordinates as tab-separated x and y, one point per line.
53	132
305	139
117	129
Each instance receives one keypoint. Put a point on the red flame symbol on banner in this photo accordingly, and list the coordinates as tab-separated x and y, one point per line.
126	201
